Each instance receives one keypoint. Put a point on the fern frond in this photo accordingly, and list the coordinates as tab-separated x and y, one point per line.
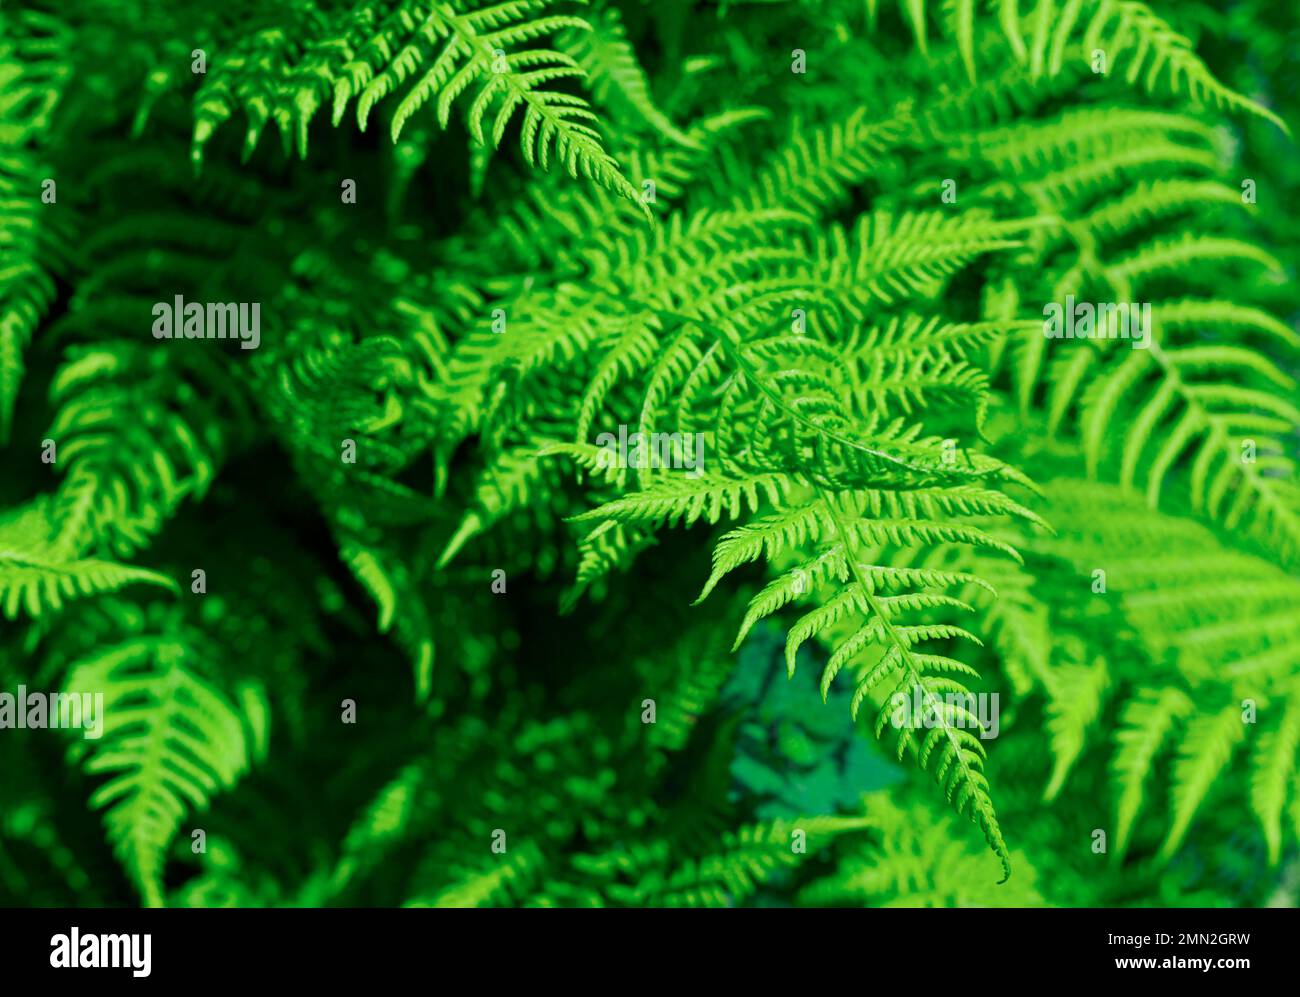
439	52
684	500
33	233
914	856
510	81
1076	697
1132	36
1148	47
1204	752
747	859
40	586
169	743
616	76
1144	726
1273	762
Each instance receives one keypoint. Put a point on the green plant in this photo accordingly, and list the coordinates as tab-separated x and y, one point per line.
389	606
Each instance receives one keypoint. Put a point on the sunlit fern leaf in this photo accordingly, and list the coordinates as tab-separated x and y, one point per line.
1145	723
1083	149
889	258
1203	754
913	855
509	877
383	822
477	53
128	457
684	500
343	391
962	18
1018	624
439	52
1170	256
507	483
879	596
695	669
389	582
367	568
37	579
1221	624
1135	40
1273	762
600	552
1156	200
1077	694
33	230
616	78
1143	44
747	859
170	742
1200	403
794	408
816	167
41	587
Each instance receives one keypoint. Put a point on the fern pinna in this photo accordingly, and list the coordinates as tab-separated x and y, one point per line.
575	312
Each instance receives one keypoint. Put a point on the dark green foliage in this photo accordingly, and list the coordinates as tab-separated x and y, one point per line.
377	619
